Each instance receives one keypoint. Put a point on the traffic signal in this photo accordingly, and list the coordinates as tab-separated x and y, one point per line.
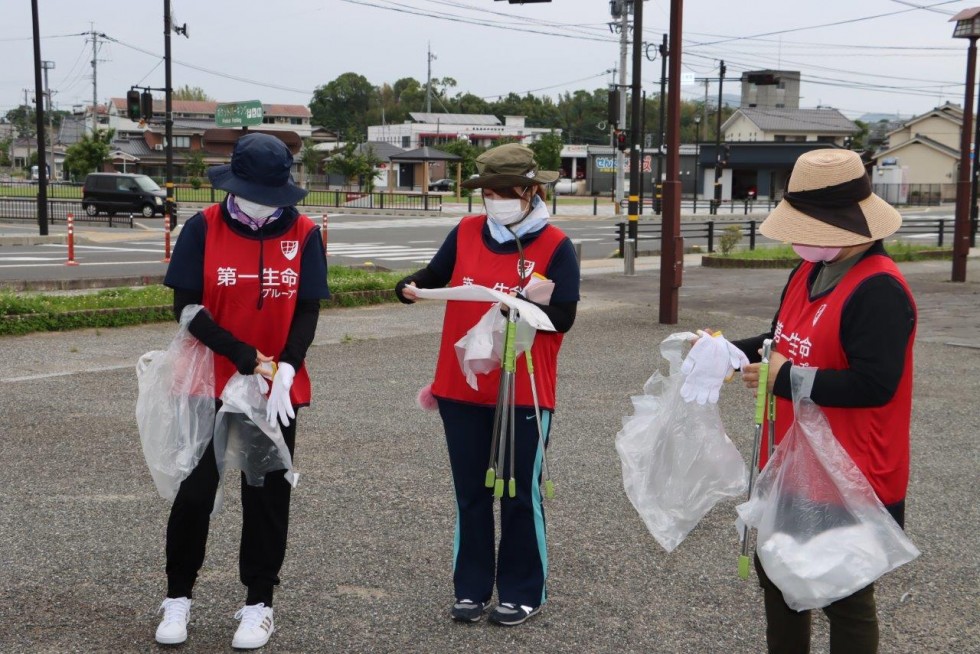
615	97
133	108
621	141
726	154
146	105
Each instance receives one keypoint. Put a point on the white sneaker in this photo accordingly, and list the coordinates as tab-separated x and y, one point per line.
256	626
173	627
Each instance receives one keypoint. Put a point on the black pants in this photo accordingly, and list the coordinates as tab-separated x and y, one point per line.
265	522
853	619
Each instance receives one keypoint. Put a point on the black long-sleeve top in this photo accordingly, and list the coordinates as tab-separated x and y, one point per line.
876	324
185	276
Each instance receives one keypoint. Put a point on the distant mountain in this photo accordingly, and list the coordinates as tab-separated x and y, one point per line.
876	118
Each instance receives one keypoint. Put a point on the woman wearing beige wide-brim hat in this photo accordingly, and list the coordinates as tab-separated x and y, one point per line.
847	319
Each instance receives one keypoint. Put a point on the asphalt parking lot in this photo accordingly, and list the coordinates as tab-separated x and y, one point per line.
369	561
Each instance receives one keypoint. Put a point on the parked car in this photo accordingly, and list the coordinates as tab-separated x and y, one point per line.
442	185
565	186
114	193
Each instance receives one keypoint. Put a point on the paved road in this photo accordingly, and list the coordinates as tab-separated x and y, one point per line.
394	242
368	568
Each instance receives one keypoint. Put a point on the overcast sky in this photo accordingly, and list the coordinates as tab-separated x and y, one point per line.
881	56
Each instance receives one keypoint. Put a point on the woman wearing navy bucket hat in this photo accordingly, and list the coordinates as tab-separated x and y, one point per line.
258	266
504	248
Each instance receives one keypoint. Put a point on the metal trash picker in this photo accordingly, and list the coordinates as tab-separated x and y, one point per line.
761	396
504	421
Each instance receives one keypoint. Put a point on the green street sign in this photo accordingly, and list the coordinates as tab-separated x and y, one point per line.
238	114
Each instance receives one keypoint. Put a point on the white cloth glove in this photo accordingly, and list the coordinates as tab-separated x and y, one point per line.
279	404
708	364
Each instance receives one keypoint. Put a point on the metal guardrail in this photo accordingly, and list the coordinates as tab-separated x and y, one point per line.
708	230
207	195
26	209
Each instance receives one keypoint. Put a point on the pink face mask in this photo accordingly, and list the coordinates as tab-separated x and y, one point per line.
815	254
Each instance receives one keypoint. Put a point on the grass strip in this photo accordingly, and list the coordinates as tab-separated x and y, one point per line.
23	313
898	250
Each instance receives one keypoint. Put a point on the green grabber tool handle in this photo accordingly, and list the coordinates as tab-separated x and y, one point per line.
761	397
761	394
509	349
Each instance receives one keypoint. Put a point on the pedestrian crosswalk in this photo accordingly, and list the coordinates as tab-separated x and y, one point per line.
448	222
379	251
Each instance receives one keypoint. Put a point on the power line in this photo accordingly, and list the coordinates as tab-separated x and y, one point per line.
833	24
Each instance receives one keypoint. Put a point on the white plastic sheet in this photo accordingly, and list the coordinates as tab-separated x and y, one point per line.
175	406
528	313
677	460
243	439
823	534
482	348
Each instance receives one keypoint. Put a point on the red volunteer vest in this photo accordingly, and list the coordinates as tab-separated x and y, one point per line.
808	334
233	285
476	264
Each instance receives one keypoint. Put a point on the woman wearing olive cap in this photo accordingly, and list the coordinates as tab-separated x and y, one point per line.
501	248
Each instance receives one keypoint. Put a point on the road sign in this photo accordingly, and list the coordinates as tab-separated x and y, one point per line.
238	114
687	79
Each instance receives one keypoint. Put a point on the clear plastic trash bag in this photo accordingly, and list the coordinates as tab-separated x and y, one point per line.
482	348
243	439
823	534
175	406
678	462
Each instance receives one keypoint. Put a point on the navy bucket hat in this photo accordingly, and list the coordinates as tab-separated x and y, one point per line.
259	172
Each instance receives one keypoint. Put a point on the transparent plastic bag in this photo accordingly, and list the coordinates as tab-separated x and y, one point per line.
823	534
175	406
677	460
243	439
482	347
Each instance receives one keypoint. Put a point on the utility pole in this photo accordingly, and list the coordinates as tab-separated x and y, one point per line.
658	184
428	79
169	117
635	172
46	66
27	107
721	83
95	77
672	243
42	188
624	30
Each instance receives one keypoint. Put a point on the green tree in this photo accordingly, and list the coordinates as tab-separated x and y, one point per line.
195	167
354	162
187	92
344	103
89	153
311	158
5	151
23	119
547	150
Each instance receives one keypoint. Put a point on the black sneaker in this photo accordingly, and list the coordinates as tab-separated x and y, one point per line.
510	615
467	611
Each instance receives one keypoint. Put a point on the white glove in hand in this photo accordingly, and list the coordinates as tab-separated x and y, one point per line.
279	404
708	364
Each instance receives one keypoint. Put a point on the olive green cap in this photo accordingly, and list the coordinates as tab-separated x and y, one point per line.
509	165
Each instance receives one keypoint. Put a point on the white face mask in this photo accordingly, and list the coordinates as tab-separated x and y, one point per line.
254	209
504	211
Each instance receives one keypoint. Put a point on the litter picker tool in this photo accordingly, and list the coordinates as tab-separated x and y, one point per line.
549	486
760	409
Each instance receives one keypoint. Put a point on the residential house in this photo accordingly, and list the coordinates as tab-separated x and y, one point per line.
921	156
431	129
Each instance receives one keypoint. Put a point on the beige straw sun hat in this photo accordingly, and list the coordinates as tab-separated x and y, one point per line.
829	203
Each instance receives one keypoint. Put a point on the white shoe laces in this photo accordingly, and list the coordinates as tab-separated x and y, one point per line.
175	609
251	616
